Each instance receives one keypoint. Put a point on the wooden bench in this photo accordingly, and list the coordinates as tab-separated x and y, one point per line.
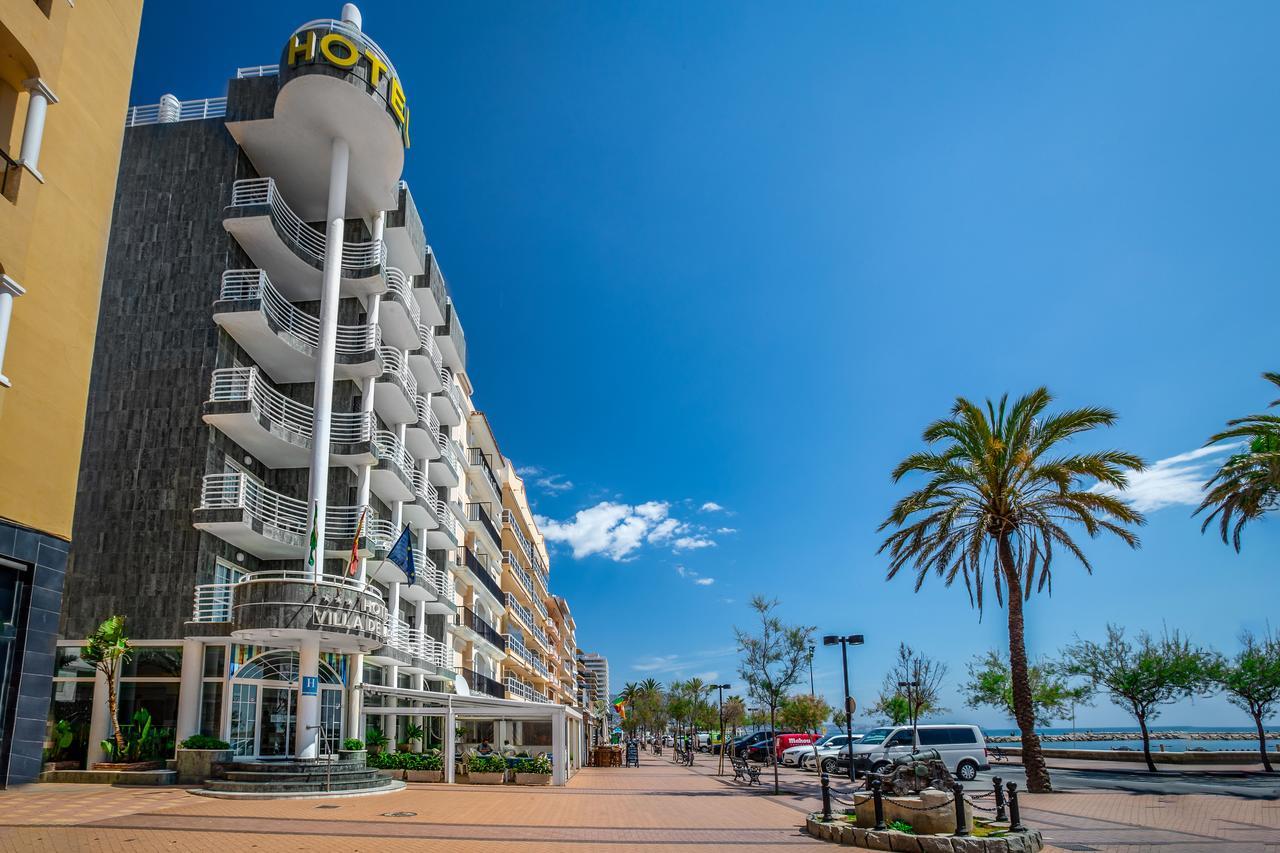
744	772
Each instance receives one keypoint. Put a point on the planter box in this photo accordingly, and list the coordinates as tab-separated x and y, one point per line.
424	775
360	755
129	766
195	766
486	778
533	778
61	765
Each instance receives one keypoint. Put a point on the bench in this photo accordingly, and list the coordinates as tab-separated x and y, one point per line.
744	772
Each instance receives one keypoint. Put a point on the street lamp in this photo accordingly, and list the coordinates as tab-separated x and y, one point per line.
721	688
911	712
812	649
845	643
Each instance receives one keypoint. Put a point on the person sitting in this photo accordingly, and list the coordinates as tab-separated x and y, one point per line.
508	750
485	749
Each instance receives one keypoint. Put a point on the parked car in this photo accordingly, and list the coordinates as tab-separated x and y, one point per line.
746	742
779	744
826	752
963	748
791	755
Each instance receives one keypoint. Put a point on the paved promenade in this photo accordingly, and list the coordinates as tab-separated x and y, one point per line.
658	807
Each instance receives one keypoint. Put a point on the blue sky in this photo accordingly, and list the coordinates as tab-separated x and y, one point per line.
739	254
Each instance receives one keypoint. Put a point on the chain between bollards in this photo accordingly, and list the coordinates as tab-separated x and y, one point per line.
826	797
1015	819
958	791
1000	814
879	804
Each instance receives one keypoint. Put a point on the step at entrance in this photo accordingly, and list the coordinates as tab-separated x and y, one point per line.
279	779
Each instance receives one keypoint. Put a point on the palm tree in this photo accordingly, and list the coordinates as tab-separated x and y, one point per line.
630	692
107	649
1248	484
1000	497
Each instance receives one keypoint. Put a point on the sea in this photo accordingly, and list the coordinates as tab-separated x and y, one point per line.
1170	744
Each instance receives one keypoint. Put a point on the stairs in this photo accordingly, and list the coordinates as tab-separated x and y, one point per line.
266	780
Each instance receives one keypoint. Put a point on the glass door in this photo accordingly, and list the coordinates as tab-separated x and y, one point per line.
275	722
330	719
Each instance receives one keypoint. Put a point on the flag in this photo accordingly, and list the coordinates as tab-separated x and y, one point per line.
315	535
401	554
621	709
355	544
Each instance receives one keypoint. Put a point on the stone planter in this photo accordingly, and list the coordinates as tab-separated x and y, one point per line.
425	775
533	778
849	835
195	766
360	755
928	812
486	778
61	765
129	766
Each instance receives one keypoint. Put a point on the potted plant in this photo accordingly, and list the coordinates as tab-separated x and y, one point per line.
106	648
196	756
424	767
535	771
352	750
376	740
487	770
412	734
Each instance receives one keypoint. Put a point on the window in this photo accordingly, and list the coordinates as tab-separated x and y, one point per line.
962	735
934	737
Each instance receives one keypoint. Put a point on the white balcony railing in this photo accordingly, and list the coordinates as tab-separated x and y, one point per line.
392	451
253	284
393	364
250	192
448	520
247	493
402	286
423	490
428	417
428	340
526	550
418	644
246	384
170	109
522	612
214	601
257	71
451	390
449	457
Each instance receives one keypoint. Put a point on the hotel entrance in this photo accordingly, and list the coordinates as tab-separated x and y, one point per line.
264	707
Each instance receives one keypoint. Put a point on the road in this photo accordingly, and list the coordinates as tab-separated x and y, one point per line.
1249	785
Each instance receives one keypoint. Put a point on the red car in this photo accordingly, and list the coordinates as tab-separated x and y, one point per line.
760	752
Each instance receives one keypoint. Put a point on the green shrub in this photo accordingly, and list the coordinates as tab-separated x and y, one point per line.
903	826
204	742
488	764
541	764
353	744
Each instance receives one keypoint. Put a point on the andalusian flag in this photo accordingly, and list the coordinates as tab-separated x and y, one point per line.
354	562
315	535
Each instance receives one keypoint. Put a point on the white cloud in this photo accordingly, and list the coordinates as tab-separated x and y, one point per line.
678	665
705	581
545	479
654	664
617	530
1175	481
711	506
725	531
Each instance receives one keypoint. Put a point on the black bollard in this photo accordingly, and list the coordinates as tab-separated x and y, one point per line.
1000	813
879	804
958	790
1015	819
826	797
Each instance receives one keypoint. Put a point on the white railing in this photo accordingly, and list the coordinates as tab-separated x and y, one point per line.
246	384
520	610
399	284
214	601
451	390
428	340
257	71
428	417
170	109
249	192
518	688
244	492
393	364
509	518
448	520
539	570
391	450
253	284
418	644
424	491
449	457
442	581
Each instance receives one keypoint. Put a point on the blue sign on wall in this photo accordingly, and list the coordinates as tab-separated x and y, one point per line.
310	683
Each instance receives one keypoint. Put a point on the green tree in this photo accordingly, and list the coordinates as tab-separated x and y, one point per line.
893	707
106	649
804	712
1251	681
990	683
735	714
839	718
1001	497
1247	486
923	698
1143	675
772	661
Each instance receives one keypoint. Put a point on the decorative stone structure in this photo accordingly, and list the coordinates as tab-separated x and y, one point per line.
842	832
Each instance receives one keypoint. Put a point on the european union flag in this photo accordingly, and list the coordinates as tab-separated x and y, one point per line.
402	555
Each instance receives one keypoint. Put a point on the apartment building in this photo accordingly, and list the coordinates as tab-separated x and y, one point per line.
596	668
280	393
64	85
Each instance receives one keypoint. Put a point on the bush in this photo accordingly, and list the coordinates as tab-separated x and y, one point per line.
488	764
204	742
353	744
540	764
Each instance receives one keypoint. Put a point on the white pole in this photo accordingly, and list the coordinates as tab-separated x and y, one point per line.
450	743
33	130
323	400
189	690
307	738
355	698
559	755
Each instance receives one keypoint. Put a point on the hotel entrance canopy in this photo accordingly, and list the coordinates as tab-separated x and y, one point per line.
566	723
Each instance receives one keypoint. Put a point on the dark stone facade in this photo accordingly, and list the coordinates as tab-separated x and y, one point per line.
34	567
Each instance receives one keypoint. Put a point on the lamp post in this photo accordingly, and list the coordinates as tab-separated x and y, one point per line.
911	713
845	642
721	688
812	649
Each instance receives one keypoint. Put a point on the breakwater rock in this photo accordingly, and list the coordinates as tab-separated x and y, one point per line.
1091	736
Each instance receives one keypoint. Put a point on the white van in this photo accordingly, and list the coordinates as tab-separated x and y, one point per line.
963	748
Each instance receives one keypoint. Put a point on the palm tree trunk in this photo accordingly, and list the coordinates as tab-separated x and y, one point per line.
113	708
1262	742
1146	742
1023	709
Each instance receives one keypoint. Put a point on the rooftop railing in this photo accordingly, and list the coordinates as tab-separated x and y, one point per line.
253	284
241	384
170	110
252	192
257	71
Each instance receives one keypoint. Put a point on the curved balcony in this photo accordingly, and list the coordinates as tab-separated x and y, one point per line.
394	398
447	404
277	430
280	606
415	649
423	435
449	533
446	469
277	239
239	509
422	509
399	314
391	477
282	338
425	362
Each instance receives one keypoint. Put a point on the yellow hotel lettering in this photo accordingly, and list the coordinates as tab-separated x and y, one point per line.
342	52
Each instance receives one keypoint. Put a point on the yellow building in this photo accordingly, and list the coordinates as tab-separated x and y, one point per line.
65	70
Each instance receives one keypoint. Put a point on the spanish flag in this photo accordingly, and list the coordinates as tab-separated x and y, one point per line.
354	562
621	709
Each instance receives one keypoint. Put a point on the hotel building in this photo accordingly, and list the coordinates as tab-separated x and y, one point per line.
279	390
64	86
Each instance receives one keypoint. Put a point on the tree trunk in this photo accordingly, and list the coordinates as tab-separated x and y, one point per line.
1023	709
1262	743
1146	742
113	709
773	752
